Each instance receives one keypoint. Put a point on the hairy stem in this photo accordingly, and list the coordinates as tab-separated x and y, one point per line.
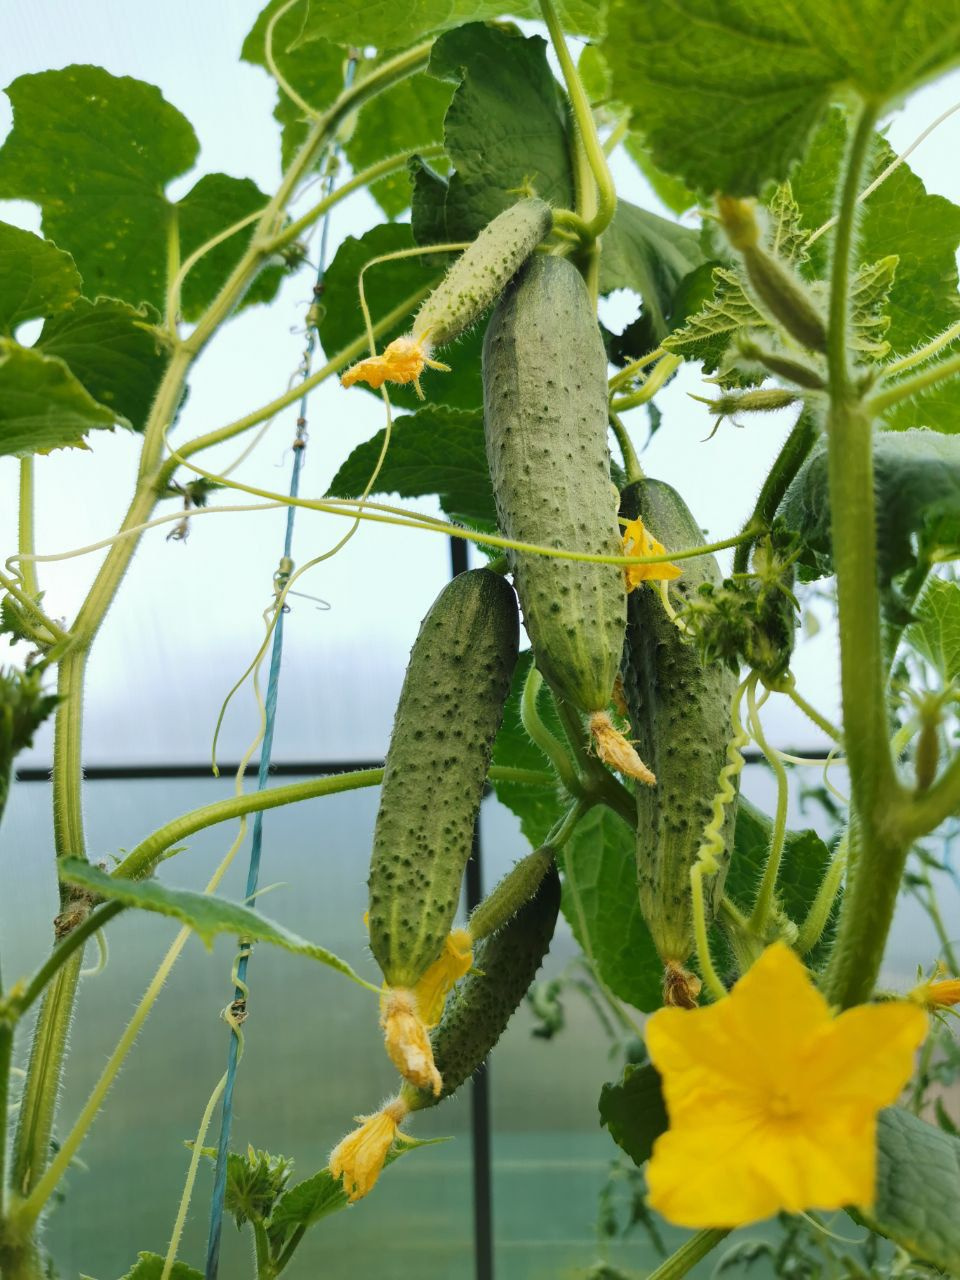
789	460
689	1254
900	391
25	529
631	462
771	871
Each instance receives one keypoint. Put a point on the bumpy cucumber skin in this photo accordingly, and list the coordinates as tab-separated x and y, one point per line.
504	965
545	410
680	716
449	712
479	275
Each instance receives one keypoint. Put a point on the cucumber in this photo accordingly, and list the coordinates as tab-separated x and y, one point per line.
545	408
478	276
449	712
505	964
679	709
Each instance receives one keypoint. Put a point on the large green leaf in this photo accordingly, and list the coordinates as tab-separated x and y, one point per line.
113	349
918	1172
634	1111
408	115
537	807
436	450
505	130
96	152
36	278
206	915
651	256
149	1266
601	903
936	632
917	486
42	405
899	218
387	286
729	91
805	859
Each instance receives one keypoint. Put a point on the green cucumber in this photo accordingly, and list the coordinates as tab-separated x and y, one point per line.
449	712
478	276
679	710
504	965
545	408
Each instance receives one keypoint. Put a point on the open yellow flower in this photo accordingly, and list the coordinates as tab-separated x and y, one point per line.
360	1156
772	1100
402	360
637	541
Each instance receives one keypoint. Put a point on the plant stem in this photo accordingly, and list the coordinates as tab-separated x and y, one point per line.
908	387
817	916
587	129
626	375
57	633
876	795
631	463
789	460
25	541
662	371
768	884
788	688
551	747
62	952
382	169
923	353
6	1057
689	1254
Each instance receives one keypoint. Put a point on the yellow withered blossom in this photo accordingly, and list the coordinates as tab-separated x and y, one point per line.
360	1156
616	750
407	1040
449	967
772	1099
402	360
637	541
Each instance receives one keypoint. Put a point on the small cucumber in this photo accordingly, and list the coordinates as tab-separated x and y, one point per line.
504	966
449	712
679	708
478	276
545	407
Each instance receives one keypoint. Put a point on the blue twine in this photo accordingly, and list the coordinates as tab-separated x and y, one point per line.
270	714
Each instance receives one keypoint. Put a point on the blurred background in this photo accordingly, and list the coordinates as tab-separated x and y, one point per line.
186	624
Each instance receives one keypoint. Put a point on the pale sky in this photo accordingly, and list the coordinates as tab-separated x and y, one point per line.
187	619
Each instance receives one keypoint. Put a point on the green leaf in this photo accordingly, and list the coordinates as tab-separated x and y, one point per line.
730	91
918	1171
634	1111
113	349
936	632
435	450
601	903
150	1267
408	115
937	409
306	1203
216	202
805	860
676	195
538	808
505	129
255	1181
42	405
901	219
36	278
387	286
206	915
651	256
96	152
708	331
917	487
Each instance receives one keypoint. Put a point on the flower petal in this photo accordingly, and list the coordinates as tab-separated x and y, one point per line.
865	1056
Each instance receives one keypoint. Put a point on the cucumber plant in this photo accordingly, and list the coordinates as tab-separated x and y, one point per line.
821	285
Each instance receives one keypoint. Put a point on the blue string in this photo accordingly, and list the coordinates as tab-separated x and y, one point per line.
270	714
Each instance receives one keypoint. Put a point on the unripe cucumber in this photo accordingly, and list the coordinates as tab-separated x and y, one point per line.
504	966
545	410
478	276
449	712
679	710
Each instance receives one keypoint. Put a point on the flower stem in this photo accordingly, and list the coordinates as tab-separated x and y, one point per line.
765	894
689	1254
811	931
631	463
551	747
789	460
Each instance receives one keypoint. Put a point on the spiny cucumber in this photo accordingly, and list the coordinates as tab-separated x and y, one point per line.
478	276
504	966
449	712
545	408
679	710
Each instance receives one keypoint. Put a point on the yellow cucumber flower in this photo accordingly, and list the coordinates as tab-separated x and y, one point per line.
638	542
406	1039
449	967
772	1100
937	993
360	1156
403	360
